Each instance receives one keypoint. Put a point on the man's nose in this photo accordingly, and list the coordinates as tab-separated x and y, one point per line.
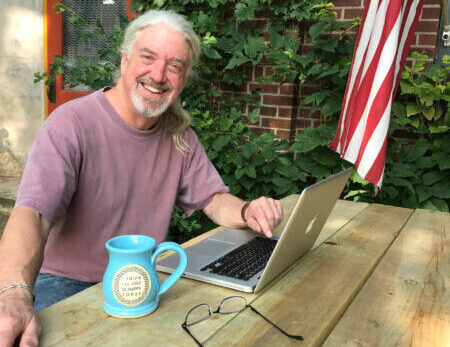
158	72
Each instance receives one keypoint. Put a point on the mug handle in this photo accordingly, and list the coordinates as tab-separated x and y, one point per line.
172	246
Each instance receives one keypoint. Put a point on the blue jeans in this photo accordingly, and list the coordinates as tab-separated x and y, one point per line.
50	289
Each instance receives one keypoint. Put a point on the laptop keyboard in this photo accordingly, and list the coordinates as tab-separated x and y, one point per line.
245	261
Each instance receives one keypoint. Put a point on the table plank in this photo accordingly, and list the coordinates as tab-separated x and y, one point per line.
312	297
406	301
80	319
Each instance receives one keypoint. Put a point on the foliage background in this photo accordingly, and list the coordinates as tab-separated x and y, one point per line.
418	160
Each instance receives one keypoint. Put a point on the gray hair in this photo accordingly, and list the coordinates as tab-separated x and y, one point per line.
176	21
176	119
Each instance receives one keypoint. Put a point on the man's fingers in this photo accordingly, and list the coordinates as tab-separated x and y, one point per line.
264	214
17	318
30	336
9	331
277	211
261	212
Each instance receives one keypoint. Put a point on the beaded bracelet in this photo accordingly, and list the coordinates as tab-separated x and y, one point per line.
17	285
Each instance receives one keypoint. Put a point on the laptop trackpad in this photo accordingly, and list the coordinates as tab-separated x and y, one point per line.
210	247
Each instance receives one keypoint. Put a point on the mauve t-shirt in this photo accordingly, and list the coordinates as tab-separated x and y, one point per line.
95	177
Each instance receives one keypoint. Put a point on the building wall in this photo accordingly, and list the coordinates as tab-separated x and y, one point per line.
281	112
21	100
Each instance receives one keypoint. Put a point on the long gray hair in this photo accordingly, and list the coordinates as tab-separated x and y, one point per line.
176	119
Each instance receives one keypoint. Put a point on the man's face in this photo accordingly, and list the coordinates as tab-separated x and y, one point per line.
155	72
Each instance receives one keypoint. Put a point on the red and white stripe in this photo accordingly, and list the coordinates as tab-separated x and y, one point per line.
382	45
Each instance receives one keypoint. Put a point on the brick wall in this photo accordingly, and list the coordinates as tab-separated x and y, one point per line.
281	112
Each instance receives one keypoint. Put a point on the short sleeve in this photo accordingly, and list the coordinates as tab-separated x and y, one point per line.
200	180
51	172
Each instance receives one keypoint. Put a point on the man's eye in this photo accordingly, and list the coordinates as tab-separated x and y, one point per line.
147	57
175	68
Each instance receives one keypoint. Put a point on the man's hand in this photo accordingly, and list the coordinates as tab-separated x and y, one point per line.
263	215
18	319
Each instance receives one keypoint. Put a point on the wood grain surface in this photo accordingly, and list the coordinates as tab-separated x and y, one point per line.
406	301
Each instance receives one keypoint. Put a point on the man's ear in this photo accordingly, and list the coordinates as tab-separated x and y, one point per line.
123	63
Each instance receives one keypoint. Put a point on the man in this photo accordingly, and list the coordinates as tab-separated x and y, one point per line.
114	162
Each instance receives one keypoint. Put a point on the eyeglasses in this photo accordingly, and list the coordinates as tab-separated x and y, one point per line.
232	304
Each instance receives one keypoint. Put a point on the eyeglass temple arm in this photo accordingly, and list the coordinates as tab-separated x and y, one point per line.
296	337
186	329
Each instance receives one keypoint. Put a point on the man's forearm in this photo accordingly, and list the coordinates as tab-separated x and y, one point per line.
22	247
225	209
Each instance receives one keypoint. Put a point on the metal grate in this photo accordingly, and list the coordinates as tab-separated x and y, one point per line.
108	12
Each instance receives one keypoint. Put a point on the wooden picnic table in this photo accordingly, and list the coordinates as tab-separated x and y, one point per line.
377	276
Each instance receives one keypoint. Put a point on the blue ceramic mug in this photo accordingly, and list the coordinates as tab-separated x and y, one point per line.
131	286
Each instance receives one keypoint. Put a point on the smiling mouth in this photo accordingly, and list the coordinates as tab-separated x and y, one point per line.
154	90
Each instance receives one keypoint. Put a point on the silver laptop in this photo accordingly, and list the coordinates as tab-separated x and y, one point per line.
247	261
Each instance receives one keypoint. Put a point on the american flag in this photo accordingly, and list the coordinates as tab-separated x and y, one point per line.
382	45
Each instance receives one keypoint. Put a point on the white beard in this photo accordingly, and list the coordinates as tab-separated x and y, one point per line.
148	107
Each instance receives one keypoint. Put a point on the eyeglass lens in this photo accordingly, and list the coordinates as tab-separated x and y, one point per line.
232	304
198	314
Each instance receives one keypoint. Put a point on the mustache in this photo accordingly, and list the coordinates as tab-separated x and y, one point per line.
152	83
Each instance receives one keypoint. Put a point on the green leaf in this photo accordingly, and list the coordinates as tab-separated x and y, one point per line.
420	148
442	159
428	112
356	178
225	124
248	150
281	181
331	107
284	161
221	142
309	140
266	138
401	170
433	72
287	171
276	40
412	109
391	191
433	177
250	171
425	163
326	157
306	59
236	61
253	115
211	52
398	109
438	129
443	143
422	195
441	205
316	29
247	183
304	162
239	173
353	193
254	45
441	189
407	88
435	205
328	44
400	182
268	153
